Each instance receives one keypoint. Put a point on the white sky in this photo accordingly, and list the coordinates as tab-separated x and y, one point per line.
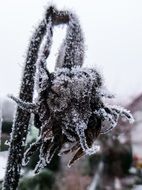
113	35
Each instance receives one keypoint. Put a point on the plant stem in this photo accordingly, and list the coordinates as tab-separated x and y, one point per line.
21	121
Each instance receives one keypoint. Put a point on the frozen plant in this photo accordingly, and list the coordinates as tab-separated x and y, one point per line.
22	118
70	108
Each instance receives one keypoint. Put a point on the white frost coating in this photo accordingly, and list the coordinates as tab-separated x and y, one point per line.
72	50
113	114
106	116
94	149
41	63
123	112
89	151
30	107
79	83
49	156
71	98
80	129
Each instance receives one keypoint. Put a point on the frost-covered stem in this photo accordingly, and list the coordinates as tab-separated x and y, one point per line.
43	73
72	50
21	122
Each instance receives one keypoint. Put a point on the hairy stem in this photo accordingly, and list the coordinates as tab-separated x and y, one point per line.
21	122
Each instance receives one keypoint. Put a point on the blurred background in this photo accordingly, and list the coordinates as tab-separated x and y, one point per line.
113	44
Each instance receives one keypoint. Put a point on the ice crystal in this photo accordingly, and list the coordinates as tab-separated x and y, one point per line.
72	49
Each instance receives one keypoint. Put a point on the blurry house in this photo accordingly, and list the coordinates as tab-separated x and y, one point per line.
132	133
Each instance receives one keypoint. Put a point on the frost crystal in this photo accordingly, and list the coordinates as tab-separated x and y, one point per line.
72	50
70	107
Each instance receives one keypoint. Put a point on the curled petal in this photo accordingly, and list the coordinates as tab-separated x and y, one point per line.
29	152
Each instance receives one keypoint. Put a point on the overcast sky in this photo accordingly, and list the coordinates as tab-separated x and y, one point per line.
113	39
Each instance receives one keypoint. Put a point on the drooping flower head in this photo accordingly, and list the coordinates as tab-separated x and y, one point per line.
70	108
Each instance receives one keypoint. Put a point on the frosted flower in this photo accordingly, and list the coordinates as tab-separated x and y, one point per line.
70	108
